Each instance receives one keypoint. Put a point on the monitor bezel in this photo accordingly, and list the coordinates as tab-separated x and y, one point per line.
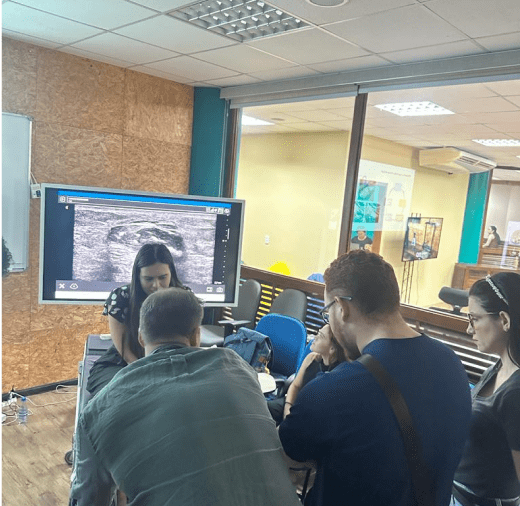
202	198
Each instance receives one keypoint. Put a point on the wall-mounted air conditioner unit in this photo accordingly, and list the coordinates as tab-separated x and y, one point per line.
454	161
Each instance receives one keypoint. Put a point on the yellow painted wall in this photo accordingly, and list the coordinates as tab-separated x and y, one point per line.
293	185
435	194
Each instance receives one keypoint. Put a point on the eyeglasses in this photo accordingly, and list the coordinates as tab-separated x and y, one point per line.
324	313
474	318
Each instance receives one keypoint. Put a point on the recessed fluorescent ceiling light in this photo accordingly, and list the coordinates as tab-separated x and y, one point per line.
498	143
249	121
414	109
238	19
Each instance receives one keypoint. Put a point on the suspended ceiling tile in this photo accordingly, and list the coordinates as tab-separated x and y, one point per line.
283	74
99	13
233	81
122	48
191	68
479	18
160	73
96	57
344	125
162	5
312	127
244	59
321	15
345	112
30	40
490	104
316	115
308	46
34	23
459	48
336	104
405	28
495	117
360	62
169	33
500	42
251	130
271	116
512	129
505	88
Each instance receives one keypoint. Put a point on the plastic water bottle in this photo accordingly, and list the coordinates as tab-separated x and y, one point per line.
23	412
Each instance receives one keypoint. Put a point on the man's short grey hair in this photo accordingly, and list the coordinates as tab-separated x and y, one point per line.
169	314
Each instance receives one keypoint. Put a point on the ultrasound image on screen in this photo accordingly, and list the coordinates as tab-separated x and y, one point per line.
107	239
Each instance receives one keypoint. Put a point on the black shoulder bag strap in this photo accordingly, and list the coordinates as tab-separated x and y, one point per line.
421	479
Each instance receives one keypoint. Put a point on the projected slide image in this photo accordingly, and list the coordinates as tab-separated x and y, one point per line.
106	241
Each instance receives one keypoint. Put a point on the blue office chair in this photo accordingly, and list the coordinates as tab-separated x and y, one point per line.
288	337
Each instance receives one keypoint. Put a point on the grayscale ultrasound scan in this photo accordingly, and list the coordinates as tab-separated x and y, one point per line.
106	241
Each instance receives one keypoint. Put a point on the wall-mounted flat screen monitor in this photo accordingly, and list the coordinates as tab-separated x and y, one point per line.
90	237
422	238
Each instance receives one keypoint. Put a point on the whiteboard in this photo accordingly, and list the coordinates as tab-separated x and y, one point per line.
16	191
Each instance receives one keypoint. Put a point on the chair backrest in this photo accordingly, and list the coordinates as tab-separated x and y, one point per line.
290	303
288	337
306	351
248	301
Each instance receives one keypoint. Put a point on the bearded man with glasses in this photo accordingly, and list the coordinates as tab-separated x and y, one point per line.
343	420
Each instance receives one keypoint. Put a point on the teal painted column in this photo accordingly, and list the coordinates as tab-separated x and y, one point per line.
210	117
474	217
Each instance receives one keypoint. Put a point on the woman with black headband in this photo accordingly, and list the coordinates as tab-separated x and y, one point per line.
489	471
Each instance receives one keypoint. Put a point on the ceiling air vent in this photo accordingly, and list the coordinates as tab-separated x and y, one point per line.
454	161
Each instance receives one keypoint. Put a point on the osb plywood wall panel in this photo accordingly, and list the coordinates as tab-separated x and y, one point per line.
94	125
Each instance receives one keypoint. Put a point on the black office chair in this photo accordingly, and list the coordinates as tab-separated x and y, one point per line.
243	315
290	302
455	297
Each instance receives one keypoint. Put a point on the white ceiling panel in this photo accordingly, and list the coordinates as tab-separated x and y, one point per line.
307	46
191	68
490	104
311	127
316	115
278	117
96	57
321	15
360	62
460	48
287	73
505	88
162	5
160	73
494	117
119	47
344	125
251	130
404	28
479	18
99	13
500	42
22	19
169	33
242	58
230	81
30	40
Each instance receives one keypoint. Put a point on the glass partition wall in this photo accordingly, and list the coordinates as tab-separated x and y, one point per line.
419	196
292	175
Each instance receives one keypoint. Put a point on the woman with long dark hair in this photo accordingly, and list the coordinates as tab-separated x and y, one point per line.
489	471
153	270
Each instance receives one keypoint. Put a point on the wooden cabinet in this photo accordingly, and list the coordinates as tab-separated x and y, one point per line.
464	275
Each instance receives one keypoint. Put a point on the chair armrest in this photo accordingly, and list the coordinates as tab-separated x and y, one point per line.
231	326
